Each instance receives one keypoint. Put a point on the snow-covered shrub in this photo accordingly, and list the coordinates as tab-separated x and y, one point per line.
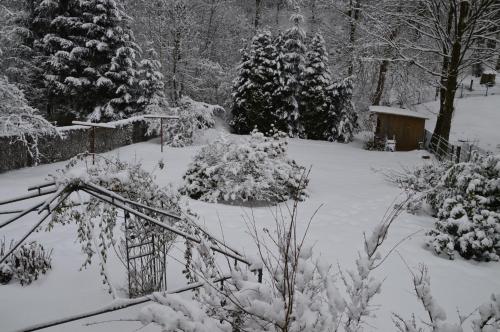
465	199
257	169
299	291
20	121
468	202
25	264
97	220
194	117
419	183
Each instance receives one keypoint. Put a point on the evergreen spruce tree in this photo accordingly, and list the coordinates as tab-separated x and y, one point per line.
151	86
123	75
19	60
342	116
315	100
291	67
242	87
82	40
254	88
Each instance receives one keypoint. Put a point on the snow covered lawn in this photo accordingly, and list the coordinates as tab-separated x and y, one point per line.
476	119
344	178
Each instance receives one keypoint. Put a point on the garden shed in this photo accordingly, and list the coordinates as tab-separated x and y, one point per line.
405	126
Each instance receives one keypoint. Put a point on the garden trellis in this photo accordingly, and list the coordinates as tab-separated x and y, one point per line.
57	195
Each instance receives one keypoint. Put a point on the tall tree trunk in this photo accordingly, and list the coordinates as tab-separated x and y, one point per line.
314	18
258	4
382	72
441	134
353	19
176	57
279	3
209	35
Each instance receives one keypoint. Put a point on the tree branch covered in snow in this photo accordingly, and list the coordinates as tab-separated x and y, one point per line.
20	121
299	291
194	118
489	312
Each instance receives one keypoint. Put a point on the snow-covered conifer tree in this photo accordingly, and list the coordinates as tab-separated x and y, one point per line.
342	118
291	67
241	95
315	99
253	89
151	84
123	74
81	40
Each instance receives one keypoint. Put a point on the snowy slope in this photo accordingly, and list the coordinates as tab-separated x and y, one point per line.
344	178
476	119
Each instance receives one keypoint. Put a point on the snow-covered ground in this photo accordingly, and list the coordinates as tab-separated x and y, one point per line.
345	178
476	119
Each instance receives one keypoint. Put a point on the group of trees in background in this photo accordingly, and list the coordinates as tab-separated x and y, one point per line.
78	59
284	83
396	52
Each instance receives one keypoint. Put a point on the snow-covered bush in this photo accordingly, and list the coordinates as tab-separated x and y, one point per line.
468	202
194	117
257	169
299	291
465	199
25	264
419	183
20	121
97	220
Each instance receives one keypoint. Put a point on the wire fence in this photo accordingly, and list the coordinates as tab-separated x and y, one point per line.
464	151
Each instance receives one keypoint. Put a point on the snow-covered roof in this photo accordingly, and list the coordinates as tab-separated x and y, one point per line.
490	72
396	111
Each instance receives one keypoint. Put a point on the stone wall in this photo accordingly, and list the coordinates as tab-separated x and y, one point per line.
72	141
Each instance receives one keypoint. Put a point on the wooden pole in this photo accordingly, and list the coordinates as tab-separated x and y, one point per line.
161	134
92	145
125	215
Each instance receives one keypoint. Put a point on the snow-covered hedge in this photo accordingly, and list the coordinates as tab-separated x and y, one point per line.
257	169
468	201
25	264
194	117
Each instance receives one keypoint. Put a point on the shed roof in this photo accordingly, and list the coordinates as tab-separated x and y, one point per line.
396	111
